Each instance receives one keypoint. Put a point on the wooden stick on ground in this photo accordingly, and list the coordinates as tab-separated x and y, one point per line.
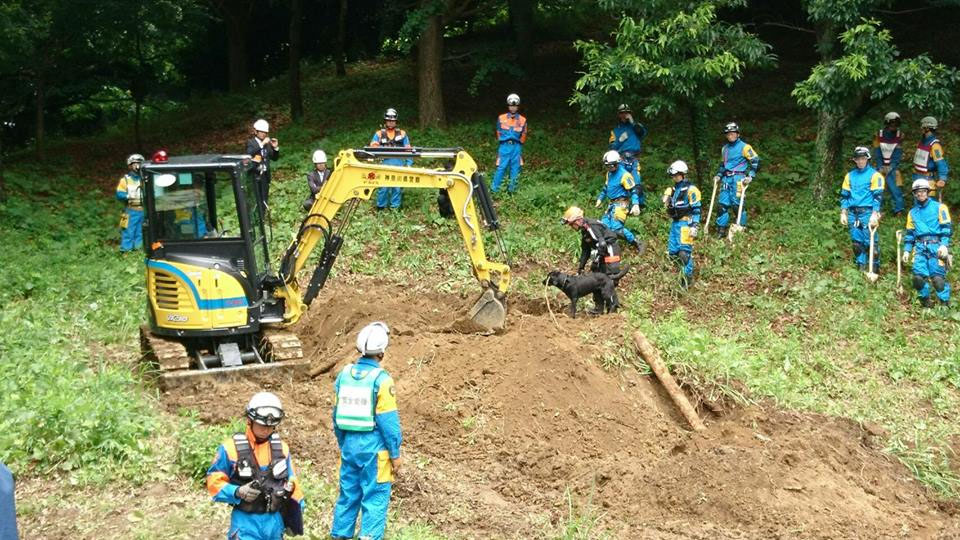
650	354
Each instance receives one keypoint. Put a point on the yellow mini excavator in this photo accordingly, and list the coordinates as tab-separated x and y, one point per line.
216	305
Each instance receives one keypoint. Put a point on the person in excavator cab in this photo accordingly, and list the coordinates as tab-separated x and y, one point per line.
367	427
253	472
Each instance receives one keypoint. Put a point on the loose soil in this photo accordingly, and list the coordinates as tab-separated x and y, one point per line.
504	434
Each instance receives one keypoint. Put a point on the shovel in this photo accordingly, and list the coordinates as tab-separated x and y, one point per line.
871	275
713	197
899	262
736	227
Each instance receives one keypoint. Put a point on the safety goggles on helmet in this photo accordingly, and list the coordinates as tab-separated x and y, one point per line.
731	127
391	114
861	151
920	184
266	415
624	108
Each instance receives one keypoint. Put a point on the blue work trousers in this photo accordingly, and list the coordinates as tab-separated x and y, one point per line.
249	526
680	241
360	491
896	194
858	221
926	265
633	167
729	201
509	156
131	236
615	219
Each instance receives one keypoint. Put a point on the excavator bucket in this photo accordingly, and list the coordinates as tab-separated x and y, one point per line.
489	312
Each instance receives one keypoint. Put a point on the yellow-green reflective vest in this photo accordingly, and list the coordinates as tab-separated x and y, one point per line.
356	400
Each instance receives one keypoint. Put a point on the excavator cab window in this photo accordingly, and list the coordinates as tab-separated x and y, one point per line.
195	204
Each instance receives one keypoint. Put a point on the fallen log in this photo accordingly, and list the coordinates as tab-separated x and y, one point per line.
650	354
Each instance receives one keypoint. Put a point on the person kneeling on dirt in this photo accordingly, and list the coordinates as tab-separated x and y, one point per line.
367	427
683	206
860	198
253	472
928	236
598	244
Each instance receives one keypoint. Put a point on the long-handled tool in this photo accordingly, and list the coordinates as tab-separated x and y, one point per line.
871	275
899	262
713	197
736	227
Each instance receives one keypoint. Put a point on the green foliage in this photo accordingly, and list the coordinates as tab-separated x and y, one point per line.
667	57
63	403
870	71
196	443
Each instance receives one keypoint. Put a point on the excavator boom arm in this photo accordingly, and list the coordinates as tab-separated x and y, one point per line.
356	177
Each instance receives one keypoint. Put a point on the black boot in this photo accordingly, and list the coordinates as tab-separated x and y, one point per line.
722	232
927	302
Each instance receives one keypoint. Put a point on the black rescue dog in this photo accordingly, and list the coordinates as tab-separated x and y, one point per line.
600	285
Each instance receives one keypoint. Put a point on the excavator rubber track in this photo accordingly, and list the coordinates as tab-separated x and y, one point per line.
170	361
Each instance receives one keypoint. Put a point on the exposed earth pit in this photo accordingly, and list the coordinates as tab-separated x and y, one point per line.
502	433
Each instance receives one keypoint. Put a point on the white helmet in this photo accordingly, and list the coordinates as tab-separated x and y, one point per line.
921	183
265	409
261	125
891	117
677	167
928	122
319	156
134	158
513	99
611	158
373	339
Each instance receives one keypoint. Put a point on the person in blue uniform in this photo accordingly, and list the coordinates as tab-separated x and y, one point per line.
860	198
627	139
367	427
682	202
927	237
618	191
738	167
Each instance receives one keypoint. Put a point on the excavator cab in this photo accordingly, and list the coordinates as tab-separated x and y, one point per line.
207	267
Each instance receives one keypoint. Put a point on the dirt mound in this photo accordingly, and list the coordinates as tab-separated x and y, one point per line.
502	432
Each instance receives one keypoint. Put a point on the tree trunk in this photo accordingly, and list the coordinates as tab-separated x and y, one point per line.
698	141
237	21
829	147
3	183
138	112
339	52
41	103
521	19
429	64
296	96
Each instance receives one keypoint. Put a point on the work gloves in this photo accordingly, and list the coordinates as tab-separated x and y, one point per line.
635	210
906	257
942	252
693	231
843	217
599	203
716	179
874	219
247	492
746	181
